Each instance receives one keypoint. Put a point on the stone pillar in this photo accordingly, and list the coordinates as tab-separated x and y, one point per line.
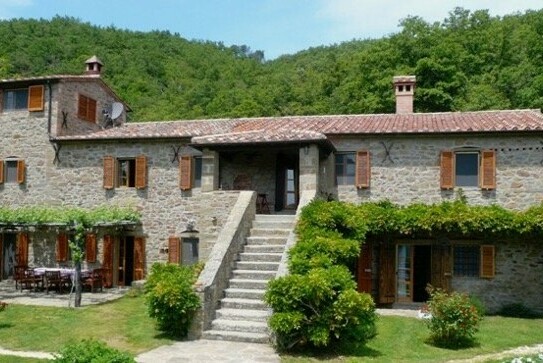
309	167
210	170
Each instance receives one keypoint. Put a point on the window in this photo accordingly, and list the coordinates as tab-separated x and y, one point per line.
30	99
16	99
468	169
466	261
87	108
345	168
190	172
125	172
12	171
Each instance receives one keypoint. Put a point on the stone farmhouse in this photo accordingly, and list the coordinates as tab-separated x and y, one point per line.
227	191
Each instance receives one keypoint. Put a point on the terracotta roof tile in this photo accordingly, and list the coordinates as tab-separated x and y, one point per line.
296	128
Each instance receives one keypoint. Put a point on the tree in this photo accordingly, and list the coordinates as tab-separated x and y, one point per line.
77	247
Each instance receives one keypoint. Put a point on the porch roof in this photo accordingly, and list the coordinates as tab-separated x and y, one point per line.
260	136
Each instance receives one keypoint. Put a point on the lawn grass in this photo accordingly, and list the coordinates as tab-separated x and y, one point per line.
403	339
13	359
122	324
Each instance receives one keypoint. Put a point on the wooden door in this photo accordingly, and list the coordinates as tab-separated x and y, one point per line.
387	274
22	249
107	263
364	271
139	258
441	267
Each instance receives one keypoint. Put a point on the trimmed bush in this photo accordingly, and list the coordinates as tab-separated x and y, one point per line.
319	308
170	297
454	319
91	351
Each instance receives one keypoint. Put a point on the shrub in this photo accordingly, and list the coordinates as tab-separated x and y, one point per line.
91	351
319	308
454	319
170	297
518	310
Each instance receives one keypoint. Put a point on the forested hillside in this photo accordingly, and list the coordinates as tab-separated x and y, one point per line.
469	61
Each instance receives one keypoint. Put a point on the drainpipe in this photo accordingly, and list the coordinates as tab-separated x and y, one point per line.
49	111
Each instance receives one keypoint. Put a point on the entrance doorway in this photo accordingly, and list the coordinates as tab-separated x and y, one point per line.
126	261
7	255
286	196
414	272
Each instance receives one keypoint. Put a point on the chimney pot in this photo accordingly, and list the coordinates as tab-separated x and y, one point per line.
404	89
94	66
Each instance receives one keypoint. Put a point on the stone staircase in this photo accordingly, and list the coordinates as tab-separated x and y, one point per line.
243	314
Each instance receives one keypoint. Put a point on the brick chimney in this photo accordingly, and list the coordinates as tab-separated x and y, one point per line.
94	65
404	87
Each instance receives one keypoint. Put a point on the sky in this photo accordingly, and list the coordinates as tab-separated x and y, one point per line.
274	26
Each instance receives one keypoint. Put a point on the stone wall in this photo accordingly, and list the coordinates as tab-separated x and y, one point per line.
411	172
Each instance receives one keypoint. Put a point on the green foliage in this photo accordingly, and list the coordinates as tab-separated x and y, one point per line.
469	61
170	297
91	351
519	310
319	308
454	319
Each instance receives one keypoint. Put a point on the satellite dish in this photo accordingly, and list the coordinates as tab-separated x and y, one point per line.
116	110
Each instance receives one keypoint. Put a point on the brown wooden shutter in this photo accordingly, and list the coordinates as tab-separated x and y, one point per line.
173	249
363	170
107	263
441	267
35	98
20	171
91	110
62	248
1	171
82	107
488	169
364	272
109	172
90	247
22	249
141	172
488	261
387	274
447	169
139	258
185	172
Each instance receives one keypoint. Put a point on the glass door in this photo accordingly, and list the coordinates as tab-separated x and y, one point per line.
404	273
290	189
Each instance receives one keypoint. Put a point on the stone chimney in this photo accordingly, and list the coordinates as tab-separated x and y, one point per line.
94	65
404	87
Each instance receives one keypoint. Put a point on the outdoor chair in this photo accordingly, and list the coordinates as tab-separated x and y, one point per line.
94	280
53	280
32	279
21	277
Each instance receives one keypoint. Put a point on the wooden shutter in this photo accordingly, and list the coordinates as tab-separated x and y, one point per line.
174	245
107	263
363	170
441	267
488	169
35	98
109	172
62	248
185	172
141	172
139	258
364	273
387	274
82	107
20	171
90	247
1	171
447	169
22	249
488	261
91	110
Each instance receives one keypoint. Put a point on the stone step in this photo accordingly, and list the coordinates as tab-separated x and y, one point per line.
236	336
266	224
248	284
265	249
240	326
251	304
266	240
244	314
260	257
254	274
236	293
257	265
269	232
275	217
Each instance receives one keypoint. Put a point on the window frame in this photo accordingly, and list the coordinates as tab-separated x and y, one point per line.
131	177
18	170
5	103
346	179
477	164
471	267
486	168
